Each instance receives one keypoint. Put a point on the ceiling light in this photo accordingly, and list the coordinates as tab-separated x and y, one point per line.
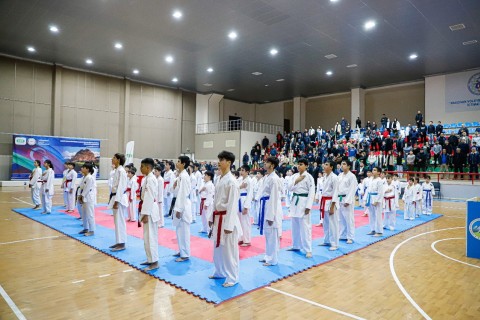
369	25
177	14
230	90
273	51
169	59
280	80
352	66
54	29
457	27
329	73
207	84
210	70
267	85
89	61
174	80
256	73
330	56
413	56
135	71
334	1
118	45
232	35
31	49
466	43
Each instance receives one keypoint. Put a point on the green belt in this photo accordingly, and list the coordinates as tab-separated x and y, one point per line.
298	195
341	196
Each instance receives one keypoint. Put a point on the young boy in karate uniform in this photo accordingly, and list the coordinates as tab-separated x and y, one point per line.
328	208
69	186
207	194
131	194
428	191
87	200
182	212
244	205
318	195
417	198
47	190
158	174
118	202
375	203
390	207
35	184
168	180
408	198
344	198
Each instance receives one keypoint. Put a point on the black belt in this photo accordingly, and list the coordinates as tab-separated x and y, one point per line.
111	195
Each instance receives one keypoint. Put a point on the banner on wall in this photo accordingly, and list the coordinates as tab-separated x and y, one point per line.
129	152
462	91
27	148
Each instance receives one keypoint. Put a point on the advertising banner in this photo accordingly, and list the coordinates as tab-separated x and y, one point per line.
27	148
462	91
129	152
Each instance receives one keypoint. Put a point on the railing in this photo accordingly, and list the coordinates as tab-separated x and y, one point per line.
236	125
449	176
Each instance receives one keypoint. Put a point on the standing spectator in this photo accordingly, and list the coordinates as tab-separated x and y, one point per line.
431	131
358	123
245	159
459	160
439	128
437	149
463	129
279	139
421	161
419	118
411	161
265	142
384	121
343	124
399	163
444	163
473	161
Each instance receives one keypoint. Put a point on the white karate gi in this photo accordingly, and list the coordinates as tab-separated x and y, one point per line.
330	221
428	191
302	199
94	176
168	180
119	185
47	190
398	191
225	246
160	184
319	192
258	195
375	195
408	197
366	184
198	185
345	194
360	192
65	196
88	206
149	195
183	205
131	198
288	193
245	202
35	185
79	205
206	196
390	206
272	202
193	196
69	186
417	199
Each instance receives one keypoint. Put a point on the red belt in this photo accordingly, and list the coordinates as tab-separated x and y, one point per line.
165	184
202	201
67	181
322	205
390	201
219	229
129	190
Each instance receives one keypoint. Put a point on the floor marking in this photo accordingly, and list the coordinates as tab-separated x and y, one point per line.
32	239
78	281
315	304
129	270
394	274
444	255
12	304
30	204
104	275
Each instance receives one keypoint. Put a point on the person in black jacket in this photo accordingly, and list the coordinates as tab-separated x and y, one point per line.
439	128
473	161
358	123
421	161
419	118
459	160
431	131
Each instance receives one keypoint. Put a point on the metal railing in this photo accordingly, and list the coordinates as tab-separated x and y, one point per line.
236	125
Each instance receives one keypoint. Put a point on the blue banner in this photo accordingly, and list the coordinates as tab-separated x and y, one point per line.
473	228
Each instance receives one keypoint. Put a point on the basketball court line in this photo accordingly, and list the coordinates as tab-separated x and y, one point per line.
444	255
12	304
316	304
22	201
32	239
394	274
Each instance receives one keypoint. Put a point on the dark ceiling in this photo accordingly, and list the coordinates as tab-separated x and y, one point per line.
303	32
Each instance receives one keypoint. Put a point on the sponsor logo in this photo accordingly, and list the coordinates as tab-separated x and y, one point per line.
21	141
474	228
474	84
31	141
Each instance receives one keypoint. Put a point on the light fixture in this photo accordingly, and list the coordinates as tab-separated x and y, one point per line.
267	85
370	24
413	56
352	66
280	80
169	59
232	35
207	84
135	71
31	49
174	80
256	73
54	28
118	45
333	1
177	14
88	61
210	70
273	51
230	90
329	73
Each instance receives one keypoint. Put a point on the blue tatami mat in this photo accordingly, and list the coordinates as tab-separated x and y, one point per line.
192	276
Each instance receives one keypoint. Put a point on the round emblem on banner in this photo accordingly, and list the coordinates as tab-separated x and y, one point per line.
474	228
474	84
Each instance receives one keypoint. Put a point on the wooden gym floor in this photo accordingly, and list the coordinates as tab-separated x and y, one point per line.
46	275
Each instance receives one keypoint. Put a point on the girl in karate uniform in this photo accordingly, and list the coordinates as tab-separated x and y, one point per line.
408	198
35	184
47	190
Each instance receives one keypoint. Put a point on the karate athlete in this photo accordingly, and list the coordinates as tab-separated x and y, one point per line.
47	190
35	183
182	212
87	200
408	198
398	190
390	207
226	228
417	197
207	194
117	202
193	191
69	186
198	185
149	214
327	207
244	205
168	179
360	192
288	182
78	193
366	184
375	203
131	194
318	194
64	178
427	199
160	182
344	198
258	195
271	214
302	188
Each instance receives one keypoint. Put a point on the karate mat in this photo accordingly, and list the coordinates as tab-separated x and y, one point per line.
192	275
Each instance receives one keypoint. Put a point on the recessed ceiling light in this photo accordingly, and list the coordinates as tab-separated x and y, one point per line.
207	84
369	25
230	90
210	70
280	80
352	66
177	14
329	73
174	80
413	56
267	85
88	61
466	43
457	27
273	51
135	71
333	0
31	49
331	56
54	29
169	59
232	35
256	73
118	45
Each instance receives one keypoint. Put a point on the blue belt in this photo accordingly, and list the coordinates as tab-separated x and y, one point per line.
263	201
240	201
428	197
370	194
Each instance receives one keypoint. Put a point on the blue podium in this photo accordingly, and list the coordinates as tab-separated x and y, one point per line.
473	228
